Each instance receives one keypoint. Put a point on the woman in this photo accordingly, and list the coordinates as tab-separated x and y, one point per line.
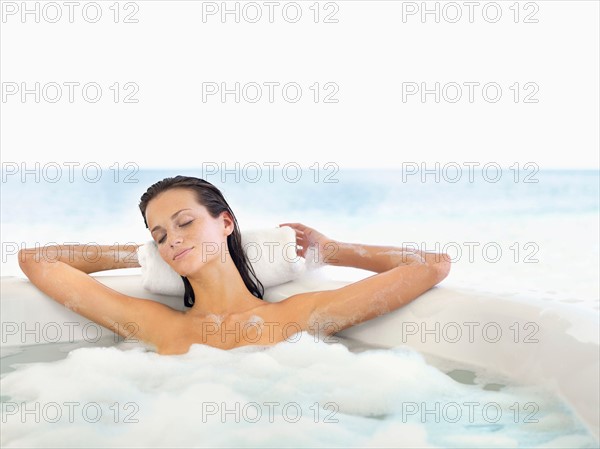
198	236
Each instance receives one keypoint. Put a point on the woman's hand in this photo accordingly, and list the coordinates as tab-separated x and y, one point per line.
324	248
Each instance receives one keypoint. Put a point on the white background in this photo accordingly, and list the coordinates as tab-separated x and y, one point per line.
369	53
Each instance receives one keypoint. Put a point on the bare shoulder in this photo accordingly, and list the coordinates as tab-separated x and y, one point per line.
131	317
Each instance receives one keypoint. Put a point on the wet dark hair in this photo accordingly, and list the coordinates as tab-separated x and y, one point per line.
214	201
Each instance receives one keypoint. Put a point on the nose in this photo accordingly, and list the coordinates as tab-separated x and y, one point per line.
175	239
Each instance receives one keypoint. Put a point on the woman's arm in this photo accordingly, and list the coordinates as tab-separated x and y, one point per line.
62	273
404	275
88	258
367	257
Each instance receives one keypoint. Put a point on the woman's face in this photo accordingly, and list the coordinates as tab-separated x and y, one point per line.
187	236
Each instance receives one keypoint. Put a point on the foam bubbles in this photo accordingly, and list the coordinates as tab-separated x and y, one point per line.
302	392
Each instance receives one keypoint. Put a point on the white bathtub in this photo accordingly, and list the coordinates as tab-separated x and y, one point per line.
494	332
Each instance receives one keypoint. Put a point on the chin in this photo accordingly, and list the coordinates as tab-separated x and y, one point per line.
186	268
181	271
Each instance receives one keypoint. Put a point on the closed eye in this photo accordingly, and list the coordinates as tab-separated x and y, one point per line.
181	226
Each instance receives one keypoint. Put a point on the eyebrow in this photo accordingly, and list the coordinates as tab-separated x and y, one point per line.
172	217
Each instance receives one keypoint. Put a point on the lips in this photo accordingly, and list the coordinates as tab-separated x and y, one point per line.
182	253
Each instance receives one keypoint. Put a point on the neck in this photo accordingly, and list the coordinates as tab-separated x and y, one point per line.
219	289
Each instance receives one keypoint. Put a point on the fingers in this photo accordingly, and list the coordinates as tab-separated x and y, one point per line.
299	236
303	233
300	252
297	226
300	229
302	240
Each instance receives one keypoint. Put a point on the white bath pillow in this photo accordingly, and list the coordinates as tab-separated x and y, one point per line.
271	252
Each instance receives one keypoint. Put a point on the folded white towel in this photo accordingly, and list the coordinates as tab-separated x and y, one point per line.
271	252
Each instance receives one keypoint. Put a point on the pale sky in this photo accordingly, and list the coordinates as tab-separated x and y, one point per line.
513	86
